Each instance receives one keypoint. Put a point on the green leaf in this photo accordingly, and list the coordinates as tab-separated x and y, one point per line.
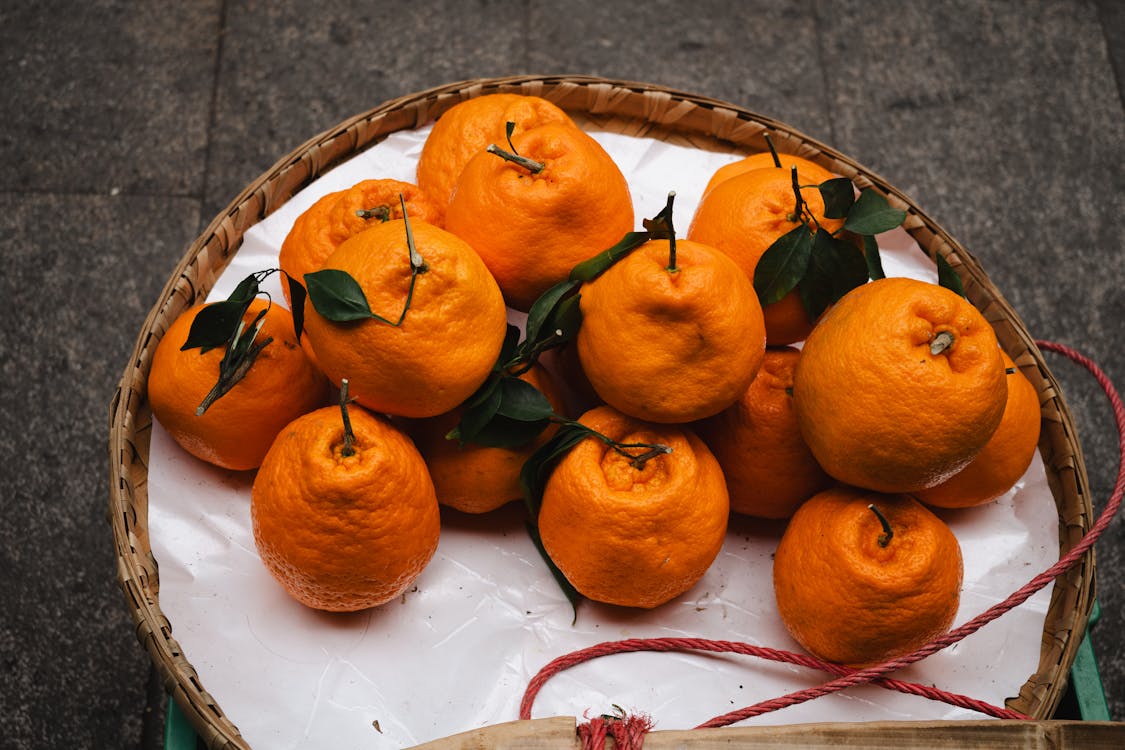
510	346
947	277
216	323
505	432
480	408
505	412
567	317
337	296
567	587
539	465
241	343
872	258
546	304
297	296
523	402
835	268
783	265
592	268
871	214
838	195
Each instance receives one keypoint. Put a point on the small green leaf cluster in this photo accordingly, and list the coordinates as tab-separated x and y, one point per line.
216	323
221	324
820	265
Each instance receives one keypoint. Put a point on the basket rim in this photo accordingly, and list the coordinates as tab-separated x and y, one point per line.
655	108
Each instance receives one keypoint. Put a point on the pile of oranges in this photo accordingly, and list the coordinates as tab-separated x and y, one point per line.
660	384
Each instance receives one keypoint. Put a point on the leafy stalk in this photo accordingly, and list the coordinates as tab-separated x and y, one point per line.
222	324
241	352
823	266
506	411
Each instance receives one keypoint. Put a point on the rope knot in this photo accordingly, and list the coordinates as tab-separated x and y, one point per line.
627	732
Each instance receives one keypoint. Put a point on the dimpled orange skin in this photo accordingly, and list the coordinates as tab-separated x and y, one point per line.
446	345
470	127
769	469
666	346
532	229
238	428
634	538
848	600
1004	458
745	214
759	161
332	219
344	533
475	478
877	408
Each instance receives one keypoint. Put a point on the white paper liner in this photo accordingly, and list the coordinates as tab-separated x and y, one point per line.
457	652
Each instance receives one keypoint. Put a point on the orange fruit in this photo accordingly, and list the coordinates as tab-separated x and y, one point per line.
1004	458
343	532
531	229
769	468
237	429
448	340
671	346
333	218
763	160
635	537
881	404
850	595
475	478
745	214
469	127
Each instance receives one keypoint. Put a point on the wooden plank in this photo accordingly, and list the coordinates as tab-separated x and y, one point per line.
558	733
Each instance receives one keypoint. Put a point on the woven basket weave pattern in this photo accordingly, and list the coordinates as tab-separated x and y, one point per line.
628	108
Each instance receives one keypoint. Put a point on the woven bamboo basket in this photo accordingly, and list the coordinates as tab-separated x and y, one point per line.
642	110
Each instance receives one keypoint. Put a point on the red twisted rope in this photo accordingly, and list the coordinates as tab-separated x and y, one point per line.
877	674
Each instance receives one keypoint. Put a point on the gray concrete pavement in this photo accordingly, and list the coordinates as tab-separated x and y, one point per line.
127	126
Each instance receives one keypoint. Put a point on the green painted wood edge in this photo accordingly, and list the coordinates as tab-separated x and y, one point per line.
1086	679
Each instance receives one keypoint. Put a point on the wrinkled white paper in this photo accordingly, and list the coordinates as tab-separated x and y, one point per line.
458	650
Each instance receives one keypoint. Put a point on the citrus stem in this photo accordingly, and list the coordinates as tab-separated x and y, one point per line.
941	342
671	233
888	533
521	363
636	461
349	436
417	262
382	213
535	167
417	266
800	207
773	151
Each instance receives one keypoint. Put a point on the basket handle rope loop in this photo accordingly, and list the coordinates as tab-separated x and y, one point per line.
596	729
